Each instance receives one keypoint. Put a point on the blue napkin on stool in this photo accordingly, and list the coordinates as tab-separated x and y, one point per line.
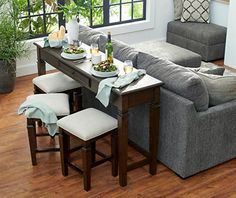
105	86
35	109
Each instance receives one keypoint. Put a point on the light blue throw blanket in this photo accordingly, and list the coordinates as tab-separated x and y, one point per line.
35	109
105	86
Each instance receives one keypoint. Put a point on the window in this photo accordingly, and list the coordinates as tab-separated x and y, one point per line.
40	17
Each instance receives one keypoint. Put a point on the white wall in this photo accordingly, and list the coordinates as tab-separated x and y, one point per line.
161	14
230	51
219	13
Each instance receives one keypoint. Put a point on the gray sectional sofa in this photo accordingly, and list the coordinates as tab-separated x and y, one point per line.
208	40
193	136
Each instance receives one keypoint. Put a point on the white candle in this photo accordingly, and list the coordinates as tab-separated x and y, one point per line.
96	58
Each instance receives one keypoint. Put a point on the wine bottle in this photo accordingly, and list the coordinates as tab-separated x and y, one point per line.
109	49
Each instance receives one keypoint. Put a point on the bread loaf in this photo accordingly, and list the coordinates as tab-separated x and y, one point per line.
53	36
61	33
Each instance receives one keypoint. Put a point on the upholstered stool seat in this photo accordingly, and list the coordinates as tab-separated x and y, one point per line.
55	83
88	126
59	104
60	83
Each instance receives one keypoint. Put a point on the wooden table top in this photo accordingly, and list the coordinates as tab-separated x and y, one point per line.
142	83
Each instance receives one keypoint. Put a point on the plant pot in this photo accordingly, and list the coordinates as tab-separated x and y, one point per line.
73	31
7	76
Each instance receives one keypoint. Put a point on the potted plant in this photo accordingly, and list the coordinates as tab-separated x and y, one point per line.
71	11
11	44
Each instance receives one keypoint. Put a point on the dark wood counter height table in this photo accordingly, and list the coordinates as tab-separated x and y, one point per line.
144	90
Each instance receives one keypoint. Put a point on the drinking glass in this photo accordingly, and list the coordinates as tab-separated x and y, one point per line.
128	66
94	48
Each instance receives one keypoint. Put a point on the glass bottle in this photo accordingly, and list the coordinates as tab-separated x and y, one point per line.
109	49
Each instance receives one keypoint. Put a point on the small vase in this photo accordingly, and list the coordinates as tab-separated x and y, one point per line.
73	31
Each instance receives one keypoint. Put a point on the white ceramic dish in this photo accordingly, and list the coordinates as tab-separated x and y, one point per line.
73	56
104	74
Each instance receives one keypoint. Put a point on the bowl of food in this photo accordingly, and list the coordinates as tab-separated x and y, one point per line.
104	69
73	53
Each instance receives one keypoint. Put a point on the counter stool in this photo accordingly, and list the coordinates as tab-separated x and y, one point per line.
60	83
88	126
57	102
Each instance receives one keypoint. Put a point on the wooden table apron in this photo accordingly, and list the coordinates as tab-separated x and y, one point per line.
147	92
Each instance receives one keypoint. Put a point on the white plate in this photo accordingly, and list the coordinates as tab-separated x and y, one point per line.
73	56
104	74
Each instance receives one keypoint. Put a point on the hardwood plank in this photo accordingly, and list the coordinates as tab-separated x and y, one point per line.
18	178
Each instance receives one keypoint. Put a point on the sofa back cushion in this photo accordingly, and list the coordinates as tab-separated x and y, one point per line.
121	51
177	79
88	35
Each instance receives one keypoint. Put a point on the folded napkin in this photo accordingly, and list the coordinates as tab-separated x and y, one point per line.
35	109
55	43
105	86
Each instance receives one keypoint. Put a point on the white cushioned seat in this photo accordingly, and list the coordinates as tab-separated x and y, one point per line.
55	82
58	102
88	123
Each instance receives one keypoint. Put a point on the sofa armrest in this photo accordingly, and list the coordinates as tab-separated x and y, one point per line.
221	108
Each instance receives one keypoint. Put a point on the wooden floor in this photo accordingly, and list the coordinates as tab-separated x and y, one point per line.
18	178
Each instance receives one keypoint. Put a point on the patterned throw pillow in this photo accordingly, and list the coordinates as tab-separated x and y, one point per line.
178	8
196	11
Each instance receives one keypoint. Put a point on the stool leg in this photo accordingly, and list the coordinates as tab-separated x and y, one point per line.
86	152
32	139
114	153
37	91
93	152
78	100
64	151
40	124
71	102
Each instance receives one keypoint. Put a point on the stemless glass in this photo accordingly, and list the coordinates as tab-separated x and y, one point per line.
94	48
128	66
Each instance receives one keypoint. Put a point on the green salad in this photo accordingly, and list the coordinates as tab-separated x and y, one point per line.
105	66
74	50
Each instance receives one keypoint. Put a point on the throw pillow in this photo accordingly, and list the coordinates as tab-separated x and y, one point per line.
221	89
229	73
178	8
216	71
196	11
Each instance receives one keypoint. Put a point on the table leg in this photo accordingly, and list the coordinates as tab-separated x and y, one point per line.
40	63
154	115
123	146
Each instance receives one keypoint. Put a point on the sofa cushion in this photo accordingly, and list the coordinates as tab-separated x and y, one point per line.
209	34
221	89
177	79
121	51
178	8
196	11
88	35
170	52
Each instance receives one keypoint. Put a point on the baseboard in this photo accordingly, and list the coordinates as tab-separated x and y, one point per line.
29	69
